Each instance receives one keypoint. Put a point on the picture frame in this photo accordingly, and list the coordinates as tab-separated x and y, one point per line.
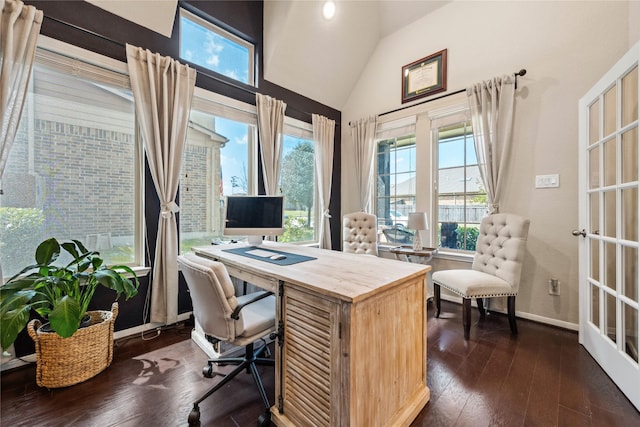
424	77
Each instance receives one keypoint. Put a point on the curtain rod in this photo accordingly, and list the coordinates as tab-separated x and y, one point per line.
124	45
520	73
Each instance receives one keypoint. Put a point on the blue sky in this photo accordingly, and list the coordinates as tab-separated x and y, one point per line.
210	50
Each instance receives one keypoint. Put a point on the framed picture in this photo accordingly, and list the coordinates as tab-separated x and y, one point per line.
424	77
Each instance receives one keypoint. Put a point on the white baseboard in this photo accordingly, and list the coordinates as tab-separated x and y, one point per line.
31	358
534	317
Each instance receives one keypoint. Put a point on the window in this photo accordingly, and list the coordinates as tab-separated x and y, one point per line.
297	184
74	168
219	160
204	44
461	197
396	186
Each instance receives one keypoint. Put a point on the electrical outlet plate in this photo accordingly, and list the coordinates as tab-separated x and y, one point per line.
554	287
548	181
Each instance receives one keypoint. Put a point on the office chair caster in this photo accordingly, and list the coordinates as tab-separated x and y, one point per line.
207	371
194	416
264	420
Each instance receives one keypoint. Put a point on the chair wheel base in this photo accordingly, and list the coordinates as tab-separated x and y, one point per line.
194	417
264	420
207	371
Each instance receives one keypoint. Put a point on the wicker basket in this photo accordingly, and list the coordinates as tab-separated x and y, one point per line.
62	362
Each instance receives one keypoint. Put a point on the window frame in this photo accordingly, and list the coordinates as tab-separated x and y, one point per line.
452	122
214	28
410	137
220	106
62	55
303	130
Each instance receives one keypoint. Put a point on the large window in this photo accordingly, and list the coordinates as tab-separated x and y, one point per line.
211	47
461	197
219	160
396	187
297	183
74	168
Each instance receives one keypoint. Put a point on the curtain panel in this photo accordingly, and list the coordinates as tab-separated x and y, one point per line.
19	30
163	91
270	126
363	135
492	109
323	137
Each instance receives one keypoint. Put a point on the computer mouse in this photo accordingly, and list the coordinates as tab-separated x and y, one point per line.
277	256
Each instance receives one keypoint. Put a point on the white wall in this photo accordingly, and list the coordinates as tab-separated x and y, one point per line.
634	22
565	47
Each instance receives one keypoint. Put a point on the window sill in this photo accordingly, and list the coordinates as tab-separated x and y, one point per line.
141	271
455	256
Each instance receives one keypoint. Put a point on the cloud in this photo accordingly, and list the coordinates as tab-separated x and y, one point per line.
243	140
213	49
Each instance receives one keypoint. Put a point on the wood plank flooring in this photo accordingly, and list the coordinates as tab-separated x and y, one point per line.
541	378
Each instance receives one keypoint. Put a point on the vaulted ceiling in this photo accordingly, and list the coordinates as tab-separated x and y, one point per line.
303	52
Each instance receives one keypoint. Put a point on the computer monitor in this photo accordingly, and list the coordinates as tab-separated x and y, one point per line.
254	216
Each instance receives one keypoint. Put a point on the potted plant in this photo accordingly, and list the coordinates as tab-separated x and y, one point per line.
61	294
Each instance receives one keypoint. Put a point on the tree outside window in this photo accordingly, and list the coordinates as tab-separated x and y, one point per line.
297	184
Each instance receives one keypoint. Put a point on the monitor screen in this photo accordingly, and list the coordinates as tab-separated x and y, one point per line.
254	216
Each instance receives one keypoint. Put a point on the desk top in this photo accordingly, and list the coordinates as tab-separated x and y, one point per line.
345	276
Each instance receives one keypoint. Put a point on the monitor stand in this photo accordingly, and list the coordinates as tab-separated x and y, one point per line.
254	240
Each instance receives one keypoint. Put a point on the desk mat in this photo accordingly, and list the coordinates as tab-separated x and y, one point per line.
289	260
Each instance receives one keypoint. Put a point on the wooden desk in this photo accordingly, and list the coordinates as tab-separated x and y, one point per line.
354	347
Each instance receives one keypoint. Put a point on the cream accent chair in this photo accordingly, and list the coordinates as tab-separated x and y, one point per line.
360	233
496	268
239	321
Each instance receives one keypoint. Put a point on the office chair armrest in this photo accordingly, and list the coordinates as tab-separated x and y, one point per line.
236	313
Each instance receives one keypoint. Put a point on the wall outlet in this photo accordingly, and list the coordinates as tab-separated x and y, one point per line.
554	287
548	181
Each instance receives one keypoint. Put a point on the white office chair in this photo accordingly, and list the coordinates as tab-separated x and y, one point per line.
495	271
240	321
360	233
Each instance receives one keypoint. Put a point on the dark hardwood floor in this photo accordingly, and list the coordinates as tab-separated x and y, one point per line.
541	378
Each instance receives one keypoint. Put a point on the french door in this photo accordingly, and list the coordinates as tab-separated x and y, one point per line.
609	248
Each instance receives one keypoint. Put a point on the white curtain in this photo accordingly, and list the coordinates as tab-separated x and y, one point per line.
19	29
492	106
363	135
270	125
323	133
163	90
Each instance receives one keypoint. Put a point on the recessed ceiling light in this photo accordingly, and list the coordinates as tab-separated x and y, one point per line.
328	10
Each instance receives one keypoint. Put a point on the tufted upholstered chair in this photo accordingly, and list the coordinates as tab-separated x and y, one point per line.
495	271
360	233
240	321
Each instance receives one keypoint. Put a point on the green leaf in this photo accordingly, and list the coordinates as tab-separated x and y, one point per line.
65	316
11	323
16	300
80	246
47	251
71	248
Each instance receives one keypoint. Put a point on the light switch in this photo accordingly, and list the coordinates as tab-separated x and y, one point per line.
548	181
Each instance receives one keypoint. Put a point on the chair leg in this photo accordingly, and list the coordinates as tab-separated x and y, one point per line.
436	295
248	363
511	311
466	316
481	309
